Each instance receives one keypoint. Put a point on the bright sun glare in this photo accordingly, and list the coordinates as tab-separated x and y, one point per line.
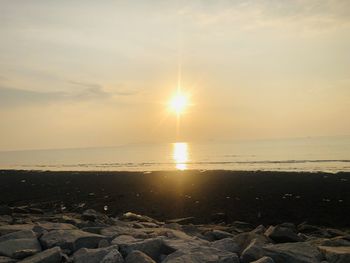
179	103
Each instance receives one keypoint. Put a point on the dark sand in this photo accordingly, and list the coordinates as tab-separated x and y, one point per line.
255	197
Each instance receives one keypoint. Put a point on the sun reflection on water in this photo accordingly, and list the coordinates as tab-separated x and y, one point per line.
180	155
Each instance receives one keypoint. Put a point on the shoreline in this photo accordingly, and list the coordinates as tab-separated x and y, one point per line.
257	197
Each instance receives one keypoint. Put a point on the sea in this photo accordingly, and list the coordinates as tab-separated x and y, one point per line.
327	154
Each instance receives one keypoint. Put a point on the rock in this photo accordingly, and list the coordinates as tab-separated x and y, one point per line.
184	220
244	239
103	243
124	240
259	230
70	240
336	254
85	255
138	257
226	244
264	260
90	214
243	225
282	234
253	251
114	231
48	226
113	257
7	260
296	252
6	229
203	255
129	216
19	248
219	234
336	242
24	234
153	247
52	255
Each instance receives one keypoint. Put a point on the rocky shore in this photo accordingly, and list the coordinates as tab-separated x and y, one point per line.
31	236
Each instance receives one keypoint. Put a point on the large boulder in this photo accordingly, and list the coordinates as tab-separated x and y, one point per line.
19	248
85	255
113	257
203	255
298	252
336	254
52	255
70	240
138	257
282	234
28	234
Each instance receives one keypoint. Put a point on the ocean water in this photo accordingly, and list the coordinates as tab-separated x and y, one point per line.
300	154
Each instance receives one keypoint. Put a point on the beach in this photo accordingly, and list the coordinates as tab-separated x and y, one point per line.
254	197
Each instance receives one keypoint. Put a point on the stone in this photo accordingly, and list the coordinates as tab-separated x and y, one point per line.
114	231
264	260
48	226
85	255
226	244
244	239
153	247
18	235
70	240
103	243
6	229
259	230
7	260
19	248
90	214
124	240
113	257
336	254
282	234
219	234
52	255
296	252
182	221
253	251
129	216
203	255
138	257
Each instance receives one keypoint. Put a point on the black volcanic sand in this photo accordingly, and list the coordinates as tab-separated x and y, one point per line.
255	197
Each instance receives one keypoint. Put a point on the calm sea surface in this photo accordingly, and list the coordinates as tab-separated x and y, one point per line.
306	154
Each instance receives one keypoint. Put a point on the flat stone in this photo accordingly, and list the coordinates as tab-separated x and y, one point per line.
70	240
19	248
153	247
52	255
85	255
282	234
336	254
138	257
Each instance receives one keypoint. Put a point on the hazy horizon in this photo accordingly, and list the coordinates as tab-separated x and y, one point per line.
88	74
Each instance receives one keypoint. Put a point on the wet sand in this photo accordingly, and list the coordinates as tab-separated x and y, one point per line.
255	197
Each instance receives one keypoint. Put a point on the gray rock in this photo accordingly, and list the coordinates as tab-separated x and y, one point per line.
70	240
124	240
153	247
226	244
114	231
259	230
7	260
85	255
52	255
19	248
282	234
298	252
253	251
28	234
264	260
219	234
90	214
336	254
203	255
113	257
6	229
48	226
129	216
138	257
103	243
184	220
244	239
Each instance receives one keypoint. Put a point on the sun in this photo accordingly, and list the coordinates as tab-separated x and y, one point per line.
179	103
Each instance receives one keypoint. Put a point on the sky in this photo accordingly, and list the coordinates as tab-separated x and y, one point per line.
101	73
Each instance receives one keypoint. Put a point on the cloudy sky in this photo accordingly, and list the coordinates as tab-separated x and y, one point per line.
100	73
